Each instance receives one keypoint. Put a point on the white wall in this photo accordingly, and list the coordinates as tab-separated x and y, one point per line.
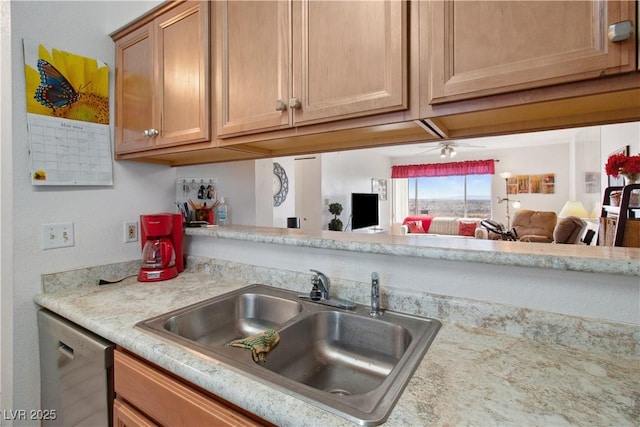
288	207
264	189
586	158
236	182
346	172
6	214
533	161
97	212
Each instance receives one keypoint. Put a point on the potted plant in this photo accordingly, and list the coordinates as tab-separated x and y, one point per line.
335	224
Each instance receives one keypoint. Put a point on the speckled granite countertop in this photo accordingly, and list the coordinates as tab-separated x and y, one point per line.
469	375
594	259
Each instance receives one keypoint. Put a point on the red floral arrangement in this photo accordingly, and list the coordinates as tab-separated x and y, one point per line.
622	164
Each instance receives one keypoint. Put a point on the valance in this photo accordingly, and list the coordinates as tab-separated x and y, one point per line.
469	167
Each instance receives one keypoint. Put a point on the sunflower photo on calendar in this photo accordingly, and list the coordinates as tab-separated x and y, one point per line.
65	85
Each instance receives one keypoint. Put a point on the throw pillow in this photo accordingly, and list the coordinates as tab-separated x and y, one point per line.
467	228
415	227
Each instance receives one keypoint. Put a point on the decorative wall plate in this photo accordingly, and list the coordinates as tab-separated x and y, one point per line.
280	184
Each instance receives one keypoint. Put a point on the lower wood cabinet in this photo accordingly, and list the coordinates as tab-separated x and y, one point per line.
126	416
147	396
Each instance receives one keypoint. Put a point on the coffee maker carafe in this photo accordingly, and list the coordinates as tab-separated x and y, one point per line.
161	247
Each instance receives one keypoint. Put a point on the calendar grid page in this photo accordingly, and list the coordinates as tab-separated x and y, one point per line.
69	152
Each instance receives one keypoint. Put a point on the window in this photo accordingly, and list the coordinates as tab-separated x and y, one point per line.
467	196
459	189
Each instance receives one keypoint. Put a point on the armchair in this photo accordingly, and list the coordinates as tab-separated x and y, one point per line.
569	230
535	226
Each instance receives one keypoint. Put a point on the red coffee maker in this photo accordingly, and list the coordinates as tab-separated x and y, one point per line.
161	236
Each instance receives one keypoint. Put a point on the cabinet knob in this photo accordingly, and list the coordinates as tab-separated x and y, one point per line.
151	132
294	103
620	31
280	105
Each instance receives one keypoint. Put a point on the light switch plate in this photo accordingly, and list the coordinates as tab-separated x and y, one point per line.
58	235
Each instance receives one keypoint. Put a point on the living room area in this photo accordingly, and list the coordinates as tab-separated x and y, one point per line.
538	172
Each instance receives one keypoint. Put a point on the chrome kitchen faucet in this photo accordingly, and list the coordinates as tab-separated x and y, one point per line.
375	295
320	293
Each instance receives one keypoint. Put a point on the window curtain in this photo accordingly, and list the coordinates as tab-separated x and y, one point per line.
470	167
400	196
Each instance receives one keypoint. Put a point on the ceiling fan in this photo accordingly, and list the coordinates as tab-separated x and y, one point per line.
447	149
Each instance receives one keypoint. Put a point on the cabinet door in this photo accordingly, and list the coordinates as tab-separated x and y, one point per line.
183	98
134	91
252	65
167	400
349	58
480	48
126	416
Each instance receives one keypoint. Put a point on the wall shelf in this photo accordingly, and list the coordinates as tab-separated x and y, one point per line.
618	224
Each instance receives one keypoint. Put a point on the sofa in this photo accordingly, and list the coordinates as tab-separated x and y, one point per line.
440	226
530	226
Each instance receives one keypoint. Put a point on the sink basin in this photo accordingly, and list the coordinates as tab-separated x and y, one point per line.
338	352
346	362
216	322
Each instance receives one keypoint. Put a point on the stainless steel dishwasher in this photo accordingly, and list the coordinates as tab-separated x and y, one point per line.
76	370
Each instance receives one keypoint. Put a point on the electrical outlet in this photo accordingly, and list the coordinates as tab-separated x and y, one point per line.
58	235
130	231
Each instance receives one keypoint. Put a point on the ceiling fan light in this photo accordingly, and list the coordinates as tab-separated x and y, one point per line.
443	152
452	152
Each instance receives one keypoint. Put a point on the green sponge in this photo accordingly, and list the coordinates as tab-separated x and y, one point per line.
259	344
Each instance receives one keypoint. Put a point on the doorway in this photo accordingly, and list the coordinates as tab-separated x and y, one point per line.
308	192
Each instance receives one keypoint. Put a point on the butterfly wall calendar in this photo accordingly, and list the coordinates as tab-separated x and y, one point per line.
67	97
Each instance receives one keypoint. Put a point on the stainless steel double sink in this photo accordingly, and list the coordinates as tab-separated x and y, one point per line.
346	362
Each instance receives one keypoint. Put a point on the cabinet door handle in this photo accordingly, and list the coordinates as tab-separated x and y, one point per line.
295	104
280	105
620	31
65	350
151	132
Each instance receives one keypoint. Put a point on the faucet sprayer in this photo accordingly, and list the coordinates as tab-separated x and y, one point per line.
375	295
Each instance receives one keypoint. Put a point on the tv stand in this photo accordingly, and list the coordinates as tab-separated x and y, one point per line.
369	230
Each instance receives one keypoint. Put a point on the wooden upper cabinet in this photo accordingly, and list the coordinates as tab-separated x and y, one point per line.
479	48
252	65
349	58
135	89
281	64
162	80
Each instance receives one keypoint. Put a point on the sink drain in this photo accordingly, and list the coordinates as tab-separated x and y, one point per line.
338	391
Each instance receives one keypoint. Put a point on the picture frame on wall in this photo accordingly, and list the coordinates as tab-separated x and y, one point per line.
548	183
592	182
523	184
512	185
619	180
379	186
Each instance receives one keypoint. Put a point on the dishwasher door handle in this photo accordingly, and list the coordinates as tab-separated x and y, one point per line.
65	350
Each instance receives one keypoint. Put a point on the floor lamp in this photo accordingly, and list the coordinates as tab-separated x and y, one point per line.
516	203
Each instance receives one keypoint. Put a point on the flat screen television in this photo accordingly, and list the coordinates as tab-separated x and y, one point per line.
364	210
